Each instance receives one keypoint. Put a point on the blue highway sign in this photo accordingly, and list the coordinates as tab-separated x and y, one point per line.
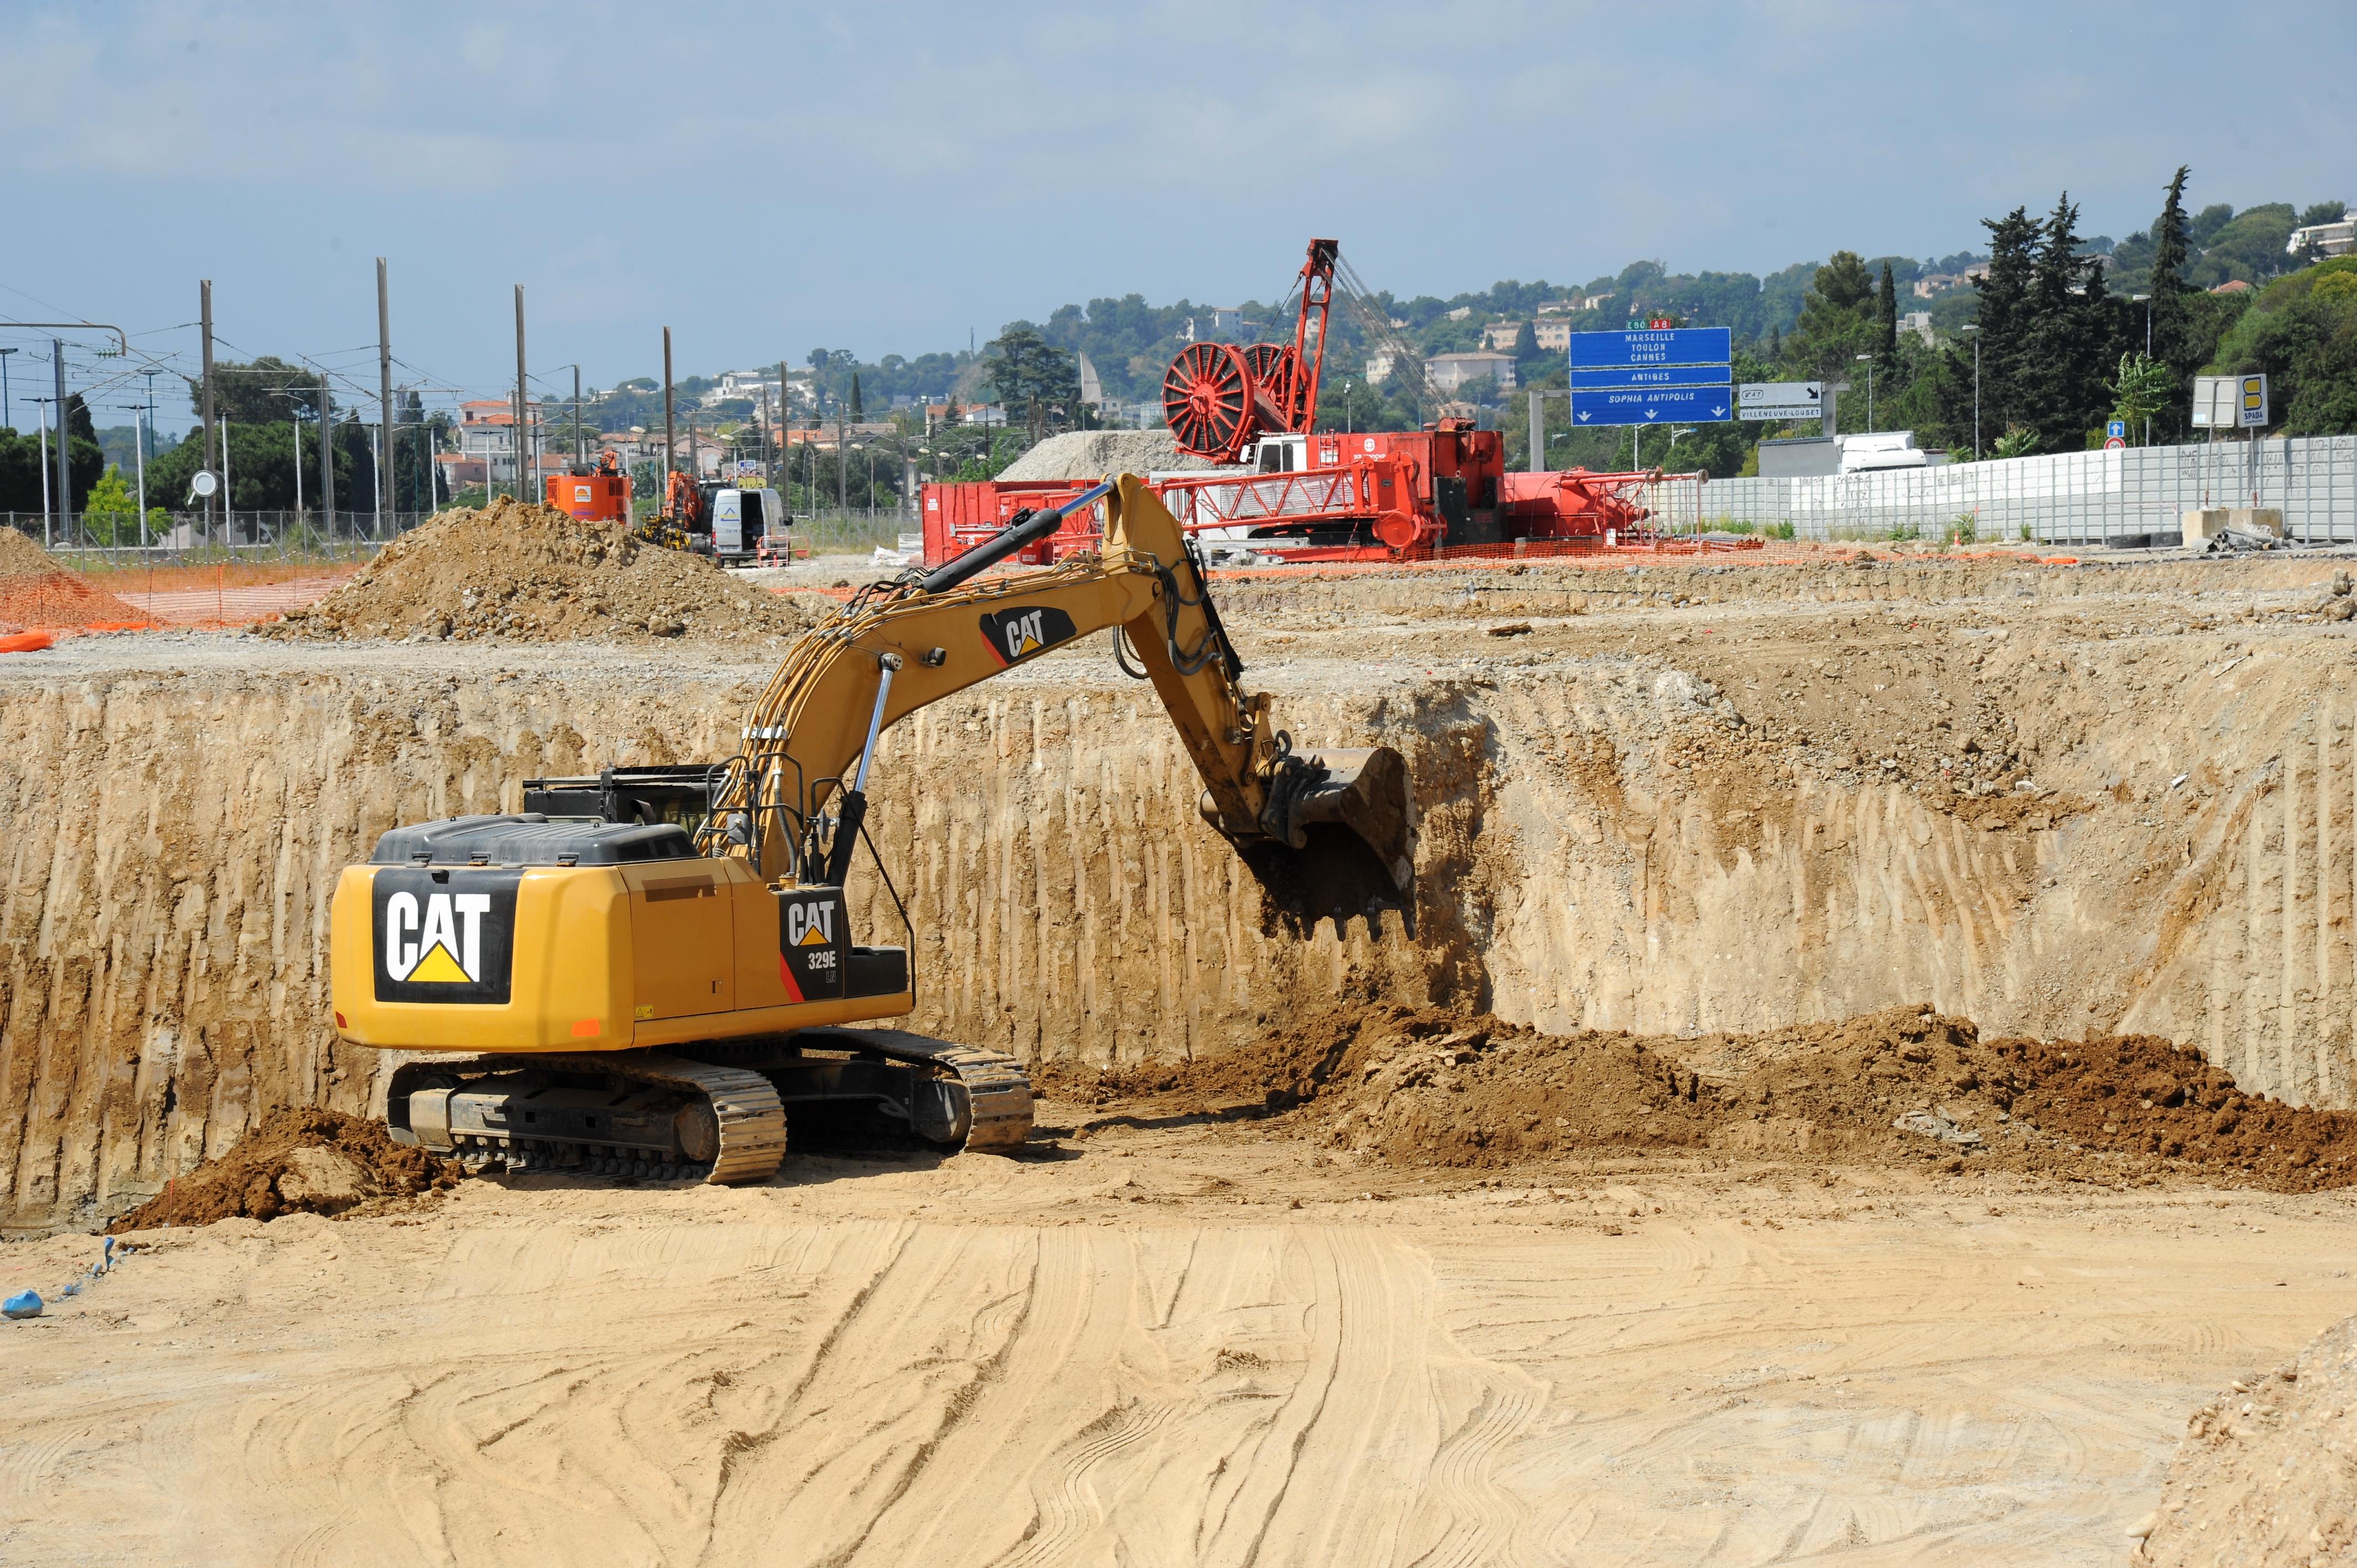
1653	376
1653	405
1659	345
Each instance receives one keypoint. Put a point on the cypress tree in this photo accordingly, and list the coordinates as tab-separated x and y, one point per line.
2172	307
2069	339
2005	317
1885	318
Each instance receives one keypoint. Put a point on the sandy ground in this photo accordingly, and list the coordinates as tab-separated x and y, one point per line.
1158	1339
1168	1338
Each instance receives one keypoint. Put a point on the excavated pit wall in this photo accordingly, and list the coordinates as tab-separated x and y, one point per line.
1605	845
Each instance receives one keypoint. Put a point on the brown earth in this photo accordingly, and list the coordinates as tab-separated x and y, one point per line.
298	1160
524	573
2268	1471
1435	1087
1646	817
38	591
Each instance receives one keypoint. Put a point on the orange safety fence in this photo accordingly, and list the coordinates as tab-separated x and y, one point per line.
148	598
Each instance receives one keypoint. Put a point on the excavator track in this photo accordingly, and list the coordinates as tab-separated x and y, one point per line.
746	1131
996	1093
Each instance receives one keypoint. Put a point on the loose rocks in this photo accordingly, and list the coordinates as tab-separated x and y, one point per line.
2268	1471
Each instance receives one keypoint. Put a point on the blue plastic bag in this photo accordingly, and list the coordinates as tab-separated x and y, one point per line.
24	1304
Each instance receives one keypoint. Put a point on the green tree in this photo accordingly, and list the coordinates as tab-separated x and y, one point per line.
2302	333
1837	317
1023	367
1886	321
251	393
2071	335
110	512
2141	391
2019	441
858	413
2005	317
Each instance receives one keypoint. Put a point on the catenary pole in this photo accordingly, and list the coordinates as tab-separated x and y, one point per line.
205	322
326	457
383	388
671	448
65	438
48	535
520	432
142	433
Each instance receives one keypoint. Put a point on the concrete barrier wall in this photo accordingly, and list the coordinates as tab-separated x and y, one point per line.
2071	498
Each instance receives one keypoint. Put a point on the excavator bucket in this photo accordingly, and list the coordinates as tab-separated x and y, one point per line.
1341	837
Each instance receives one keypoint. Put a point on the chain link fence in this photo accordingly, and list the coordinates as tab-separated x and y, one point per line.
2123	499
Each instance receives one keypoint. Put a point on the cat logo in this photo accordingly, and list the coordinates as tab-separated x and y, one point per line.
814	944
447	950
446	940
810	925
1015	634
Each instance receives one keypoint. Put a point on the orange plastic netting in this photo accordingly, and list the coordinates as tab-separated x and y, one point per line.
37	592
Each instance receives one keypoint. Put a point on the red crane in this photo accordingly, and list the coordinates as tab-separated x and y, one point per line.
1218	399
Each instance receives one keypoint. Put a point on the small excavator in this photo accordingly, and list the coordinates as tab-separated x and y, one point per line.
644	971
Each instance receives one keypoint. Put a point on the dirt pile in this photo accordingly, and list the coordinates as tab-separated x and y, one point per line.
1093	454
531	574
302	1161
36	591
2268	1471
1434	1087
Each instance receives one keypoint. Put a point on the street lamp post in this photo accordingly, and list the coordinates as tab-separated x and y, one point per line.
2147	301
294	419
1974	328
1869	390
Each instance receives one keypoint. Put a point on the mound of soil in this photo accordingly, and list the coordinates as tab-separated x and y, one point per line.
1093	454
1438	1088
298	1161
2268	1471
522	572
36	590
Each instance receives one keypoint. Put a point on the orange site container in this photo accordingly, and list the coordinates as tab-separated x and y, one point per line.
594	497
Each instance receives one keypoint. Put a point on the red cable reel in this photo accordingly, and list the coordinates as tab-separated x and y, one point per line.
1208	396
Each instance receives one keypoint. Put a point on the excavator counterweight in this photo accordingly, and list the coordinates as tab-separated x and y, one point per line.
657	968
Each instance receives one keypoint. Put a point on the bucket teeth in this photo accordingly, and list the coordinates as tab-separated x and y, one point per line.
1341	834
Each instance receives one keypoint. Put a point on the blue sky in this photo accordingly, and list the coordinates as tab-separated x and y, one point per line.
767	178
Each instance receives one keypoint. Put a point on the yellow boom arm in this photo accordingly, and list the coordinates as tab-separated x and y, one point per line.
892	652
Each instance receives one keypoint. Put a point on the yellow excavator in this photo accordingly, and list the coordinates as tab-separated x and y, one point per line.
645	970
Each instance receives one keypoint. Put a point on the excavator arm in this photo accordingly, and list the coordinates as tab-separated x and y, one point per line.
1331	832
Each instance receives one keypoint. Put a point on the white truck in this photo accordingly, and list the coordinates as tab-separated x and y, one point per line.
741	518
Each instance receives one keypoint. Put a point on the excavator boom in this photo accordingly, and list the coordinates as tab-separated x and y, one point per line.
911	643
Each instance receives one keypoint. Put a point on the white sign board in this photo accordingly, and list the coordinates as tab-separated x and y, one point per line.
1779	400
2230	403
